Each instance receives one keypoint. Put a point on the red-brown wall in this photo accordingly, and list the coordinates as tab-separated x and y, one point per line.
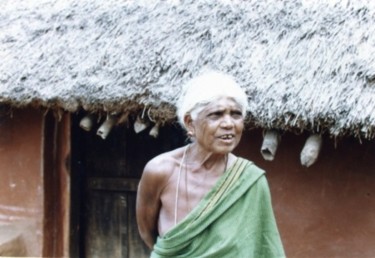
326	210
34	181
21	173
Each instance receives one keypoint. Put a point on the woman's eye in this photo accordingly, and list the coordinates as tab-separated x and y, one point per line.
215	114
237	115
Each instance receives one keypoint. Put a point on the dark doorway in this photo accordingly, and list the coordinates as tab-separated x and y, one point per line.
105	175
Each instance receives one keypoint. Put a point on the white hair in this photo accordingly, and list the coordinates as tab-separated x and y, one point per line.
206	88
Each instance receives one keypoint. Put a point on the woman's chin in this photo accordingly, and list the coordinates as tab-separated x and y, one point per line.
224	149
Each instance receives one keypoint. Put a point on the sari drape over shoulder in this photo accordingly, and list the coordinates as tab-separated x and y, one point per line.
234	219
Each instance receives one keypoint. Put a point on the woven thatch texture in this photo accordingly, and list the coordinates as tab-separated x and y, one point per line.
305	64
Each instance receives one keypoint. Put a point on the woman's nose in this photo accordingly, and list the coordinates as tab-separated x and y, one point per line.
227	121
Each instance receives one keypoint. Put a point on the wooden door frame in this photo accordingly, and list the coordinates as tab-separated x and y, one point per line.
56	174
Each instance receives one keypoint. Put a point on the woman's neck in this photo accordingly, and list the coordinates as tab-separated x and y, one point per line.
199	158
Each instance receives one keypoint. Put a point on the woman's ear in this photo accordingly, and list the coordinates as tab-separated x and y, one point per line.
189	124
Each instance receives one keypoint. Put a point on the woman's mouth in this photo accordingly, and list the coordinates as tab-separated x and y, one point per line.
227	136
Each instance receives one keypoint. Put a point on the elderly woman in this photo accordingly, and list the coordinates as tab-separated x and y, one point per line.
201	200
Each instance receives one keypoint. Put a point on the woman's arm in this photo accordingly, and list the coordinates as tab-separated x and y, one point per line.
148	203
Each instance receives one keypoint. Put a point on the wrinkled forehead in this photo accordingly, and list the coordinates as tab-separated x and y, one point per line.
222	103
217	104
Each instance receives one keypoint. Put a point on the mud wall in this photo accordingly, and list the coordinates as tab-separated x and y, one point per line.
21	184
325	210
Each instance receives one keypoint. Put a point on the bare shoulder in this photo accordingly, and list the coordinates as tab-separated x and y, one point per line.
162	163
160	168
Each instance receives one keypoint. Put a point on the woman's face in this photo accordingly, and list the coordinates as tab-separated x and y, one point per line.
218	127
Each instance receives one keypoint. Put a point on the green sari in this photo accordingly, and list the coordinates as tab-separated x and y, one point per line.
235	219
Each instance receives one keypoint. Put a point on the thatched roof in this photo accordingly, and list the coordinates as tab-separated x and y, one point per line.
306	65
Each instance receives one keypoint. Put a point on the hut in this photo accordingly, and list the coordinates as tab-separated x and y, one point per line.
88	91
